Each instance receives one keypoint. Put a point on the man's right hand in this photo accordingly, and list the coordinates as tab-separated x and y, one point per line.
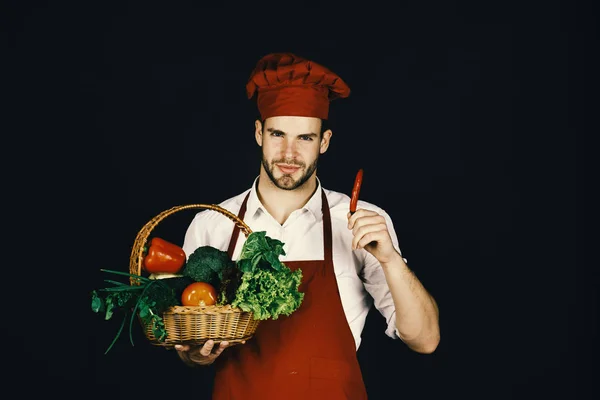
200	355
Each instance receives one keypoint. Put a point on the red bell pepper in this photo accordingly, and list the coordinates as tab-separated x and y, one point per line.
163	257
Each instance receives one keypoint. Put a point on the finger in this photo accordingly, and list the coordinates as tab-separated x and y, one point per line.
370	238
364	235
368	224
374	220
352	217
359	215
207	348
221	347
365	222
182	347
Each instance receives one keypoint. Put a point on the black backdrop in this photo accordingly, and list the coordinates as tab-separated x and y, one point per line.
466	118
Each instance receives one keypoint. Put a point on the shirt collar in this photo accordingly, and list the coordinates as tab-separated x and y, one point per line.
314	204
254	205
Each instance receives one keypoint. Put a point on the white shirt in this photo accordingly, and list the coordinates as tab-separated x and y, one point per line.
360	278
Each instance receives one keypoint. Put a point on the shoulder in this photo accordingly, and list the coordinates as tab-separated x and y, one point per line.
209	218
339	205
212	227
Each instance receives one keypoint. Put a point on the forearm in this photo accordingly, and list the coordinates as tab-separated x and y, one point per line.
417	315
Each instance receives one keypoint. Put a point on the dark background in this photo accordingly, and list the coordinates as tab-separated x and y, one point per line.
468	120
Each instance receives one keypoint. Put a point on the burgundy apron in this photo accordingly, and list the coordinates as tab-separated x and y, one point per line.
310	354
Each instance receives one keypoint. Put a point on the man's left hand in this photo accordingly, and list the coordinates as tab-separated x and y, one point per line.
371	233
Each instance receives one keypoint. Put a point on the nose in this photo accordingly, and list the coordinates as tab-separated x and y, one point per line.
290	149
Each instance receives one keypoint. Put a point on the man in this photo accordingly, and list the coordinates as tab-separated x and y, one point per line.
349	261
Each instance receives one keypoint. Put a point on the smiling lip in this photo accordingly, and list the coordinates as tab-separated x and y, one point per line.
288	169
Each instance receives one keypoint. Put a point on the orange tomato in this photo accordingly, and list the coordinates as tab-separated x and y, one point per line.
199	294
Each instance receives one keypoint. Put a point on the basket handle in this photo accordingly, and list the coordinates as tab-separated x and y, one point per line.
137	253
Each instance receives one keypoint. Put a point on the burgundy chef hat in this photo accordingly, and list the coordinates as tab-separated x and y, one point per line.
288	85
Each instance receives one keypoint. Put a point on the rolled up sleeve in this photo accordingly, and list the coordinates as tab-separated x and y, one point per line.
375	283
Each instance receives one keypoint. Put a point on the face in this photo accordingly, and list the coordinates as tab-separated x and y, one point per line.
290	149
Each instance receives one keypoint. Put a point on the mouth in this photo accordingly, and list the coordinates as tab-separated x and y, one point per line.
288	169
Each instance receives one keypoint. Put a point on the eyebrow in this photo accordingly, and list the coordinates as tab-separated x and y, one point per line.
312	134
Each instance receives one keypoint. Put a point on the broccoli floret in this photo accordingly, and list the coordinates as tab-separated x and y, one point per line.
165	293
206	264
161	295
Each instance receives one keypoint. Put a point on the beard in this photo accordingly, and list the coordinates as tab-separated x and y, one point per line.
286	181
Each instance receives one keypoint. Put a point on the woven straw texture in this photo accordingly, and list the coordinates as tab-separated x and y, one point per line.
195	325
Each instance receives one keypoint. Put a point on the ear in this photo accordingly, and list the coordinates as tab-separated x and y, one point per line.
325	141
258	132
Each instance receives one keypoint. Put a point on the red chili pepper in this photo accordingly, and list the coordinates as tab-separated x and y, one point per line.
163	257
356	191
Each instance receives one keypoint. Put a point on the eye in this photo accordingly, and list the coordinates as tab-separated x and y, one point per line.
277	133
306	137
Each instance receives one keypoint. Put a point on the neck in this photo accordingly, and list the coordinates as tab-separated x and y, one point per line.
281	203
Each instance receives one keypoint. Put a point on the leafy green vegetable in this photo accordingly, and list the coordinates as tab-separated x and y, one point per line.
268	288
269	293
229	284
148	300
260	250
258	282
206	264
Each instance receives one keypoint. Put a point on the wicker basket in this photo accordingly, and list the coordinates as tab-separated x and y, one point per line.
195	325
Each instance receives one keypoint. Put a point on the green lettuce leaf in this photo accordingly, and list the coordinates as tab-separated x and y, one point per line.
269	293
